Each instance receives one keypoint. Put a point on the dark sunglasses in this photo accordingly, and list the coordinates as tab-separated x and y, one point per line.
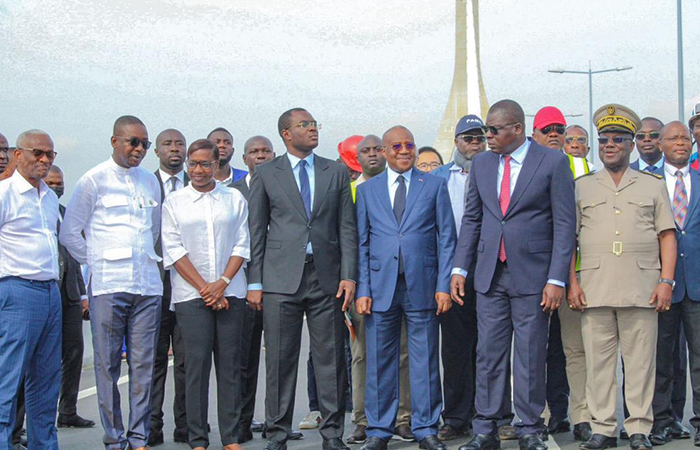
397	147
469	138
494	130
206	165
603	140
50	154
652	135
580	140
560	129
134	142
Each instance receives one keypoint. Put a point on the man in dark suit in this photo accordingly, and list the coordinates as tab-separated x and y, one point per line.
304	258
257	150
651	159
171	149
519	227
406	234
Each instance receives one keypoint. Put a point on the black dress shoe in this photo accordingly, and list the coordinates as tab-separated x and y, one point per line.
623	434
275	445
431	443
404	433
658	435
374	443
482	442
598	442
696	440
448	432
256	427
583	431
638	441
245	436
558	425
678	431
531	441
296	435
155	438
74	421
359	436
334	444
182	435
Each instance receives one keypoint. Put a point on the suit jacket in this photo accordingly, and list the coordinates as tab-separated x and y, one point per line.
443	171
426	237
159	242
242	186
657	170
280	230
539	226
69	269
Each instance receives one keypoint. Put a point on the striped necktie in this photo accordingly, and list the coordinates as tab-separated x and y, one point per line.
680	201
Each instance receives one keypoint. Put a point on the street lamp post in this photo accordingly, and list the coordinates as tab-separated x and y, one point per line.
590	74
681	104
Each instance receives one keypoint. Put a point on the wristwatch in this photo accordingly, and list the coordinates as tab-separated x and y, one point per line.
227	280
667	281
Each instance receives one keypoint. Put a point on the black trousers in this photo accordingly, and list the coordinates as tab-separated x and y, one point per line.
169	333
72	355
205	331
283	317
557	382
250	363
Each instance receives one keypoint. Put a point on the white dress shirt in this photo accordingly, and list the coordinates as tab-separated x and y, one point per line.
28	220
294	161
118	211
644	167
167	184
456	187
248	178
209	228
393	180
670	179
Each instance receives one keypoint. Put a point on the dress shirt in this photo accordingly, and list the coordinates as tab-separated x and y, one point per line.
118	211
644	167
165	177
294	161
28	220
516	163
393	180
456	186
670	179
248	178
209	238
228	180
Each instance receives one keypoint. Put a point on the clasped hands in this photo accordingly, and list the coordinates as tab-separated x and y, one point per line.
213	295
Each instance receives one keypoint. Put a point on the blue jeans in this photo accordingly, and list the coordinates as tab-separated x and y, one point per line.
30	347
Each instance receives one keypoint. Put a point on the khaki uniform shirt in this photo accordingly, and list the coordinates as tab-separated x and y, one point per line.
618	228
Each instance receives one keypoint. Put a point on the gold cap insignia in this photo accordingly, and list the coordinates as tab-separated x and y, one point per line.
611	110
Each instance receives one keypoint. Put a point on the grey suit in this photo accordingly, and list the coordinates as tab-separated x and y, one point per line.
293	287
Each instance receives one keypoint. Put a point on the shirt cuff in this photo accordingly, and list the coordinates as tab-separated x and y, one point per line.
255	287
83	297
458	271
556	282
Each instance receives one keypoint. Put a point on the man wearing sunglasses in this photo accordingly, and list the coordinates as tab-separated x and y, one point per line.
576	141
627	249
517	236
647	140
111	224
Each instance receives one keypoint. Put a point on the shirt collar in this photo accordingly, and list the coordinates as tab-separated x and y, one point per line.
196	195
393	176
455	168
294	160
23	186
671	171
659	164
521	152
112	164
166	176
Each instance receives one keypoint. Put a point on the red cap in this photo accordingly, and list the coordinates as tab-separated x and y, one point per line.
348	152
549	115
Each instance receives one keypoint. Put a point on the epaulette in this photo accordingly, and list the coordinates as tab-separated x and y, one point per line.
652	174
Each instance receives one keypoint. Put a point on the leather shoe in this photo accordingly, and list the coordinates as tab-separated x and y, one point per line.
296	435
431	443
558	425
598	442
678	431
245	436
696	440
482	442
275	445
659	435
359	436
256	426
531	441
74	421
374	443
182	435
507	433
334	444
404	433
583	431
448	432
155	438
623	434
638	441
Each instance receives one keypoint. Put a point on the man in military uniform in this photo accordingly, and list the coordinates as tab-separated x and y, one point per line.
627	249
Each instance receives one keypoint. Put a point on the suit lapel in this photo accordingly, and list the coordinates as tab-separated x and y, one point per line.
285	177
382	193
532	161
160	183
490	198
322	182
694	193
416	186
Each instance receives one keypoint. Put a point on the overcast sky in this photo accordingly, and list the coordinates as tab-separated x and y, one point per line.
72	67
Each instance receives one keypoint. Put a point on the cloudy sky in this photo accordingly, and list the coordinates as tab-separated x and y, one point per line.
71	67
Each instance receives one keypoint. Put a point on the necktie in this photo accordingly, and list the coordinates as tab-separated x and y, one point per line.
680	200
305	188
399	208
173	185
504	201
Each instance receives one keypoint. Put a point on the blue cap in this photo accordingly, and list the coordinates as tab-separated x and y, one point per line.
468	123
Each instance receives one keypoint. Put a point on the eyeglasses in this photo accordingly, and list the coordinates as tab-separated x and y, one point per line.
560	129
677	138
134	142
580	140
603	140
469	138
305	124
642	136
494	130
425	166
399	145
38	153
206	165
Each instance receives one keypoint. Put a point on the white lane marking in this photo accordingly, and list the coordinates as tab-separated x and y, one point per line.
93	390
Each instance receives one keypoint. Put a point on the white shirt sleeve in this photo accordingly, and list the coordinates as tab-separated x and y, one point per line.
241	246
173	246
78	213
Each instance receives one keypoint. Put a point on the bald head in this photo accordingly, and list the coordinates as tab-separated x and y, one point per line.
257	150
676	143
509	110
369	140
26	139
673	129
370	156
255	141
396	130
125	121
399	148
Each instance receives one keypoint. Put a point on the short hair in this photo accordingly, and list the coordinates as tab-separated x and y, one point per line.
396	127
124	121
255	138
428	149
203	144
571	127
22	138
511	109
160	135
285	120
55	168
216	130
654	119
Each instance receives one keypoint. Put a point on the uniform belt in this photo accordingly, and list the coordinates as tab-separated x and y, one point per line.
620	247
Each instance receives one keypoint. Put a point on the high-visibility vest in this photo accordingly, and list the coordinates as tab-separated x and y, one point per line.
579	166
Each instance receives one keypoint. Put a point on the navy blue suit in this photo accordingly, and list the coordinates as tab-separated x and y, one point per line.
426	240
538	229
655	170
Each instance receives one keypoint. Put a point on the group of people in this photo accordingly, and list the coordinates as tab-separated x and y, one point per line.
379	252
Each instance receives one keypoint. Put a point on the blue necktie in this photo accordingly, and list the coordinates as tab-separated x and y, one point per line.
305	188
399	208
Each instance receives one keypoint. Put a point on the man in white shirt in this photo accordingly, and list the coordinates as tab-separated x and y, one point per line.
116	206
30	302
